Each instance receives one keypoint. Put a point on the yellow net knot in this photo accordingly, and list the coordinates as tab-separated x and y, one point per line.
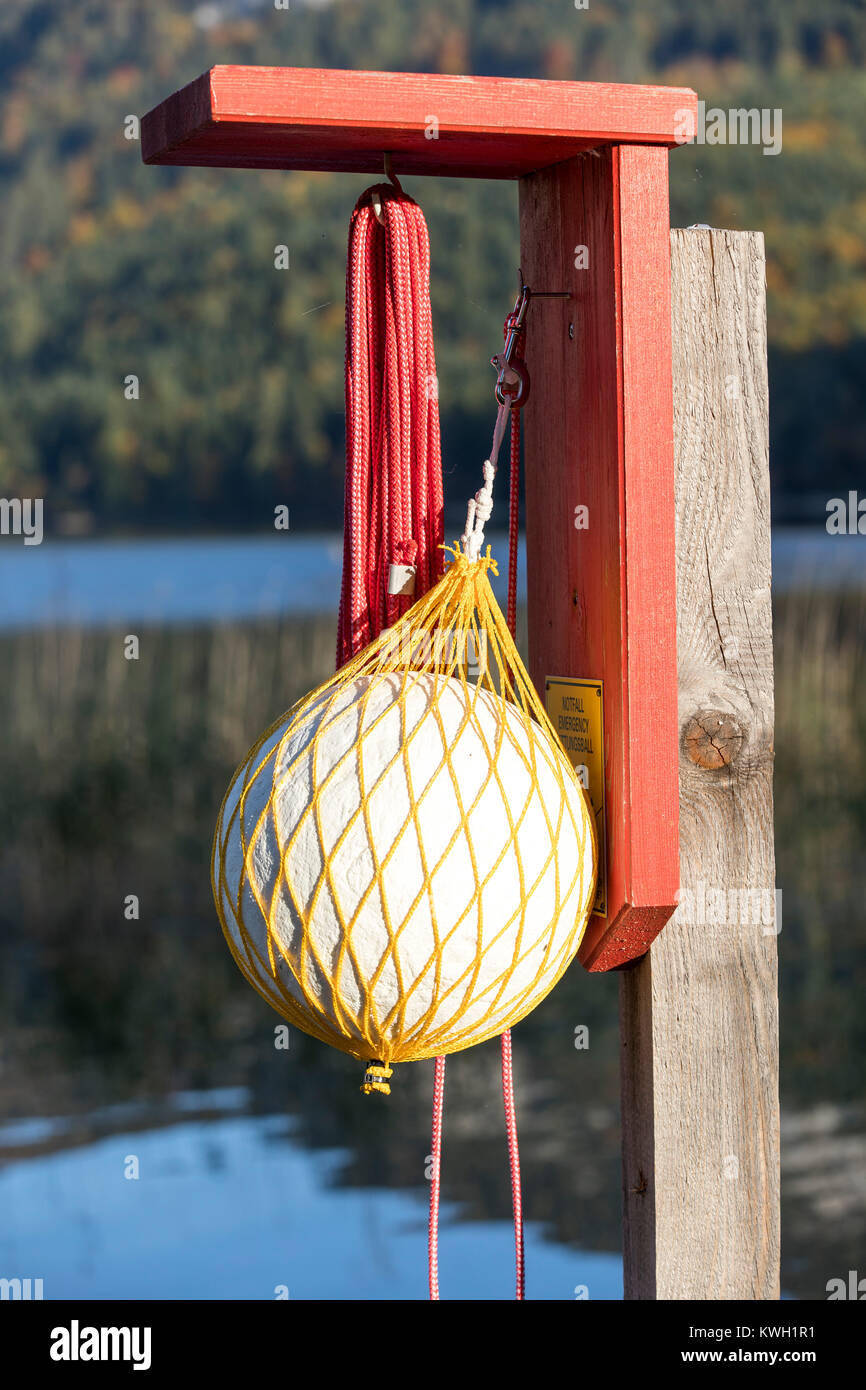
461	564
376	1079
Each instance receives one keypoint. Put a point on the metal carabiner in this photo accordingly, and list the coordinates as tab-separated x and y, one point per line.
512	373
512	380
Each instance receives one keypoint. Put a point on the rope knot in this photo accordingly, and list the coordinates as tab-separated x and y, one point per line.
376	1078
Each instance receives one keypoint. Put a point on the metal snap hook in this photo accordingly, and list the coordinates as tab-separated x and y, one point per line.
378	188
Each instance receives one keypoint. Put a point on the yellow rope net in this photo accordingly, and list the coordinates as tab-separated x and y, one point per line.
404	863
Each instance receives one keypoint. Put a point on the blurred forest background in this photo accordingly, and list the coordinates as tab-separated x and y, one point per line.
109	268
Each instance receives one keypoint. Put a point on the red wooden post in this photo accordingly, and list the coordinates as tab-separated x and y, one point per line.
599	435
592	164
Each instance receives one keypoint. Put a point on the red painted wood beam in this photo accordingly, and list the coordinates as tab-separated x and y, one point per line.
475	127
599	434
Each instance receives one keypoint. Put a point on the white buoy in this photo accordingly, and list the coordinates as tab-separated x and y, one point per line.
413	872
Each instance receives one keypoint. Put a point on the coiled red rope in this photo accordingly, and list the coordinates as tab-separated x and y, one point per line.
393	511
393	498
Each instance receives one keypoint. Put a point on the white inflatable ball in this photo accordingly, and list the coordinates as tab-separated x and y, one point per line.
404	872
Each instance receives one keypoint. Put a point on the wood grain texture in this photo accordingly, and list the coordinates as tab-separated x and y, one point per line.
699	1013
486	127
599	434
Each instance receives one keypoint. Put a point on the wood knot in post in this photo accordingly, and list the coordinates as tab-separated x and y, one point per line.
712	739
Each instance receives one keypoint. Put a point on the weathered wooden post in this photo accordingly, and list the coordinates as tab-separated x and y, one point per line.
624	550
699	1013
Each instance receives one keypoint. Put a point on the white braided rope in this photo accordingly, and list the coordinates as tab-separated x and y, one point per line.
479	508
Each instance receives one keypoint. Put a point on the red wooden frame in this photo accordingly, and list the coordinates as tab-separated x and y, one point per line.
485	127
592	164
599	433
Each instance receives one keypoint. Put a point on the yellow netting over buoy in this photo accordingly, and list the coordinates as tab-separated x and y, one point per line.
405	862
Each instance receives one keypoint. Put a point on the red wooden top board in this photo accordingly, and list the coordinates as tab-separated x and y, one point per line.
485	127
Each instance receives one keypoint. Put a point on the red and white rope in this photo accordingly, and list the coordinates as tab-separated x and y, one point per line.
435	1177
393	498
506	1065
473	530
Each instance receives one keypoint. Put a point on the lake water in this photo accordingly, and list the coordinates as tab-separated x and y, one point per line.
260	1168
201	579
232	1207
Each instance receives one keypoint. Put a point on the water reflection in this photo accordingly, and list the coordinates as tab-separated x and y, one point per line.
205	578
231	1207
138	1031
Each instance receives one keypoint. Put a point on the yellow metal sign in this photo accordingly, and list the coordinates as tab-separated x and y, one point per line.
575	709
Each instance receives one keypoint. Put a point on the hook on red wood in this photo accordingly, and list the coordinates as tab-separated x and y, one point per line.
512	380
378	188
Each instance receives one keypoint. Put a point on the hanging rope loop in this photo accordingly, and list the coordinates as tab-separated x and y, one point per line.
393	492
